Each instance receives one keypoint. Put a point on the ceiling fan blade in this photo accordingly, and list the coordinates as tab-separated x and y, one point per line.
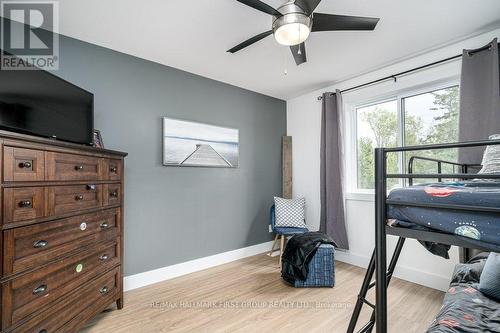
250	41
263	7
331	22
308	5
300	58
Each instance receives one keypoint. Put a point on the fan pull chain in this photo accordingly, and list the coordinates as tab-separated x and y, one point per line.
285	71
299	52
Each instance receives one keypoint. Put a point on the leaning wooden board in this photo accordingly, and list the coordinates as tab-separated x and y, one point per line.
287	188
62	233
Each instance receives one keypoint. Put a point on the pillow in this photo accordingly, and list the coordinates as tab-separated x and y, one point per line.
290	212
491	157
468	273
489	283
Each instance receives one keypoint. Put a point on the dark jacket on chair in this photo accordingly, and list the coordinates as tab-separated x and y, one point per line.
299	252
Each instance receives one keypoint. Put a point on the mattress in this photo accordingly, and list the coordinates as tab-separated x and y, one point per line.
479	226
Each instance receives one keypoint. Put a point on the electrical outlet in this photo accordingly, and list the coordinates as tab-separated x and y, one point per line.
270	228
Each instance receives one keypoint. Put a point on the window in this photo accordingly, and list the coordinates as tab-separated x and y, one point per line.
431	118
425	118
376	126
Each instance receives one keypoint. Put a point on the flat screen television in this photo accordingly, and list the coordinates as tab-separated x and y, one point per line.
39	103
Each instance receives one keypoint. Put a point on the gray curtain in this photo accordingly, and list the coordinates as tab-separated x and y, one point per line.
479	99
332	219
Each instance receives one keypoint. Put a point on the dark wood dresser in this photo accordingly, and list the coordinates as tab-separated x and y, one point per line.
62	233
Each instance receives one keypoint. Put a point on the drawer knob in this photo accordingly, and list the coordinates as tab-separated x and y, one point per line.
104	225
25	165
40	244
40	289
25	203
79	197
83	226
78	167
91	187
113	194
104	257
104	290
113	169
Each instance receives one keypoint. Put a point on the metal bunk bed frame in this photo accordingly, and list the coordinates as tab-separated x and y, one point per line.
378	262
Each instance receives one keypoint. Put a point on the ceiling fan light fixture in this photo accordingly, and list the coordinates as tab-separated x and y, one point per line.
292	34
292	28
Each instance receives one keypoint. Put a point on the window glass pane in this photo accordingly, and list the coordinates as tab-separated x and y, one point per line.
377	126
431	118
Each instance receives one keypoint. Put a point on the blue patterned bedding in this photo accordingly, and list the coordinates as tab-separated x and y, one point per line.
465	309
478	226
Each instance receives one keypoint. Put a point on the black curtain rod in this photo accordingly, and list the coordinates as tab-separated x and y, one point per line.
395	76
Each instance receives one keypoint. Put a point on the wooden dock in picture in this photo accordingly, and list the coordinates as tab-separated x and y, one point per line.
205	155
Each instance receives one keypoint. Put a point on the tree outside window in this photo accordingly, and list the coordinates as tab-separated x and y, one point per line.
426	118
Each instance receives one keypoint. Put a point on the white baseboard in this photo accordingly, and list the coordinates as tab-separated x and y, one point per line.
403	272
165	273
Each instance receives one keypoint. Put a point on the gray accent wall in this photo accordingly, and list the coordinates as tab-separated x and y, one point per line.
175	214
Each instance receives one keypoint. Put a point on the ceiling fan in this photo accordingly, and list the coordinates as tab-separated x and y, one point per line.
295	20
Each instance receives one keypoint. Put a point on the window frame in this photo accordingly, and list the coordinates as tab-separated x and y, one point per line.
353	192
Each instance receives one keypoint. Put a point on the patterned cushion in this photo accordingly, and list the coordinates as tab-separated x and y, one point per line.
491	157
290	231
489	283
290	212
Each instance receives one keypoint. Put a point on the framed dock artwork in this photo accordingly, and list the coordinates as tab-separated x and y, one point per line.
193	144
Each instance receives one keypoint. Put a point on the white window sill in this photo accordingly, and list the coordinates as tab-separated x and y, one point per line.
360	196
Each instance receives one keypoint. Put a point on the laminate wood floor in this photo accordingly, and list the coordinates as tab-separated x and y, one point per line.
248	295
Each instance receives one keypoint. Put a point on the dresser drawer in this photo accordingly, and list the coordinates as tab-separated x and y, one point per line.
113	169
67	167
71	313
35	290
73	198
23	203
36	245
23	165
112	194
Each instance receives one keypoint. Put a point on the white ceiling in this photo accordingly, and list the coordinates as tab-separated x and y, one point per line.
193	35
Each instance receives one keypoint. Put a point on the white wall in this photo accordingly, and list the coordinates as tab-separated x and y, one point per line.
303	124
